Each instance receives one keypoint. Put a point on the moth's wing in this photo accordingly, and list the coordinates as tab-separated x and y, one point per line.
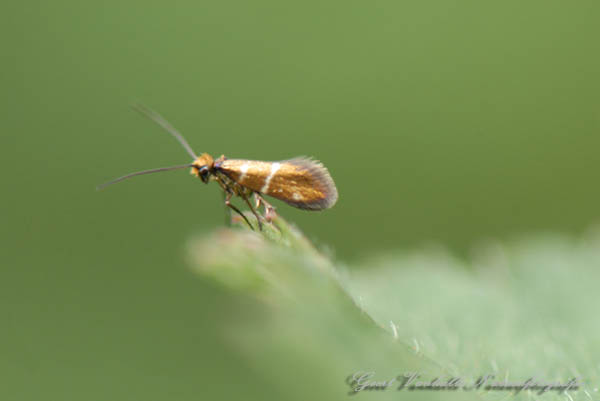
301	182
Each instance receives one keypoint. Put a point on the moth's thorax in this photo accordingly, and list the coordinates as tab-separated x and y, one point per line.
230	185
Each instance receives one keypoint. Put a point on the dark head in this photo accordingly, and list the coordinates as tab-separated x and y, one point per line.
203	167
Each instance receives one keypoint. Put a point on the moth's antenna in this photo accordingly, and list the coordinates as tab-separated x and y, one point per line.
155	170
158	119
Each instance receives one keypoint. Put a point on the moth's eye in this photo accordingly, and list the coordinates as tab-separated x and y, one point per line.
204	173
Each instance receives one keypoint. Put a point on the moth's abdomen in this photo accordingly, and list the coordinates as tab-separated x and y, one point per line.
300	182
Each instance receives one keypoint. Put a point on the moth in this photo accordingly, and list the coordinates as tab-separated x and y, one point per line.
300	182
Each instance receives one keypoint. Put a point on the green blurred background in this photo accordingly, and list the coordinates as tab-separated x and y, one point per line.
439	121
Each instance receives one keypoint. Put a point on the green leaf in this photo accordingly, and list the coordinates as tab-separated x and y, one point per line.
521	310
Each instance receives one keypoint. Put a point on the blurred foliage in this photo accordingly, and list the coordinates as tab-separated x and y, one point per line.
294	322
513	311
441	122
516	310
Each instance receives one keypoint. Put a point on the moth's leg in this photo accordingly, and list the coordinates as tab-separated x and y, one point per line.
253	210
227	210
270	213
228	196
256	200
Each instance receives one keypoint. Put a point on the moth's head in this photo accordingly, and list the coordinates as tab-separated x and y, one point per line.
202	167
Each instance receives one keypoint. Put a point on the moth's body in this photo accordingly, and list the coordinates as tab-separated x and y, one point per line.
300	182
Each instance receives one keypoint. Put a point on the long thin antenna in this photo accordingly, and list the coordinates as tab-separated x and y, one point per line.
158	119
155	170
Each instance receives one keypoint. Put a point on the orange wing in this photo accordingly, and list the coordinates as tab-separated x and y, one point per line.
300	182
